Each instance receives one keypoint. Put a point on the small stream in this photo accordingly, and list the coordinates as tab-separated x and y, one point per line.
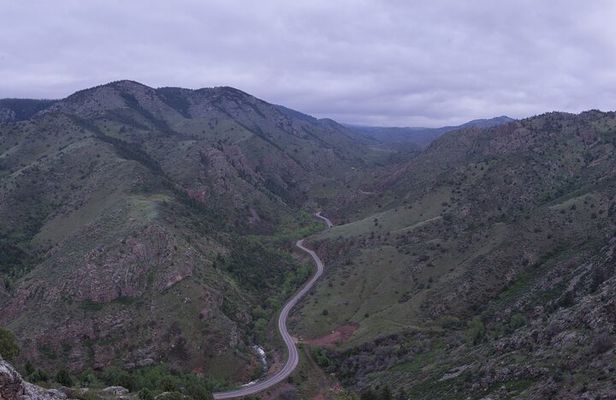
262	357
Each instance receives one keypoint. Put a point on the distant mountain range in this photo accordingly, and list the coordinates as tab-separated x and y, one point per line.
421	137
12	110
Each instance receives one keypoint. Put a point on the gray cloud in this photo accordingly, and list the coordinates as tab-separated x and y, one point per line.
374	62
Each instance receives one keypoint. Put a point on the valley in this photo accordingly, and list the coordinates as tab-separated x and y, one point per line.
292	354
152	232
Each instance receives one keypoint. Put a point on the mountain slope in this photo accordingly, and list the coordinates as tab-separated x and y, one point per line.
486	232
128	209
12	110
144	226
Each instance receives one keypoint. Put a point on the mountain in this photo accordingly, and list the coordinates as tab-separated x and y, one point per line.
483	265
136	223
486	122
422	137
147	241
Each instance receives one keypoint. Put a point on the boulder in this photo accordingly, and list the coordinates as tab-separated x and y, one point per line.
115	391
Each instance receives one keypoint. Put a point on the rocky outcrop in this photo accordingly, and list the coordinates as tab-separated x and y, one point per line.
13	387
6	115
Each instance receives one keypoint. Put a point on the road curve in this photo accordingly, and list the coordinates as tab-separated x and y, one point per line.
327	221
293	359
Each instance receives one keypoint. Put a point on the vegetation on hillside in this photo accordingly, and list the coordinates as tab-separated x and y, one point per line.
148	241
490	248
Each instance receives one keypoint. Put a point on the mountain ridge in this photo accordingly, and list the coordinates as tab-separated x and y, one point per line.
420	136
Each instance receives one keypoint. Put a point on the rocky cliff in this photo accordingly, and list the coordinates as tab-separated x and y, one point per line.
13	387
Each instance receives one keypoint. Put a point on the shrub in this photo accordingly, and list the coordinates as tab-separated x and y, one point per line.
64	378
321	358
476	331
8	345
167	383
197	391
517	321
158	378
39	376
450	323
87	378
29	368
146	394
116	377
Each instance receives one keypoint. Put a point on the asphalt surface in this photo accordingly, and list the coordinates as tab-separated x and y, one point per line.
293	357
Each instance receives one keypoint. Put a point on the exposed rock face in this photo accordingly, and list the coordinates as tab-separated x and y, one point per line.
13	387
6	115
115	391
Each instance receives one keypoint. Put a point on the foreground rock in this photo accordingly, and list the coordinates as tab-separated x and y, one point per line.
13	387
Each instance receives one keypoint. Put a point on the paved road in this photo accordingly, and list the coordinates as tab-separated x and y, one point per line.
327	221
293	359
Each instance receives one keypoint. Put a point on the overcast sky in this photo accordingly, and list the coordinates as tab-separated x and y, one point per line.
405	63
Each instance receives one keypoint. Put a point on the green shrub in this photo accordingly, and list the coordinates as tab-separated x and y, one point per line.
117	377
8	345
88	378
158	378
517	321
29	368
64	378
146	394
39	376
167	383
451	323
476	331
321	358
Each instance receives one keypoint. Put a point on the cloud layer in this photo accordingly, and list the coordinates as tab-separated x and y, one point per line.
384	62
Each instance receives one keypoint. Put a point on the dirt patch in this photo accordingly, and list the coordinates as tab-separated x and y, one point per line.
338	335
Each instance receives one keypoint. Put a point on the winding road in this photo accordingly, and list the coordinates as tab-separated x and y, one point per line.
293	358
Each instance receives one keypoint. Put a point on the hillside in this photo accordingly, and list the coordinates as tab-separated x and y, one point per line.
484	265
152	231
12	110
133	222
